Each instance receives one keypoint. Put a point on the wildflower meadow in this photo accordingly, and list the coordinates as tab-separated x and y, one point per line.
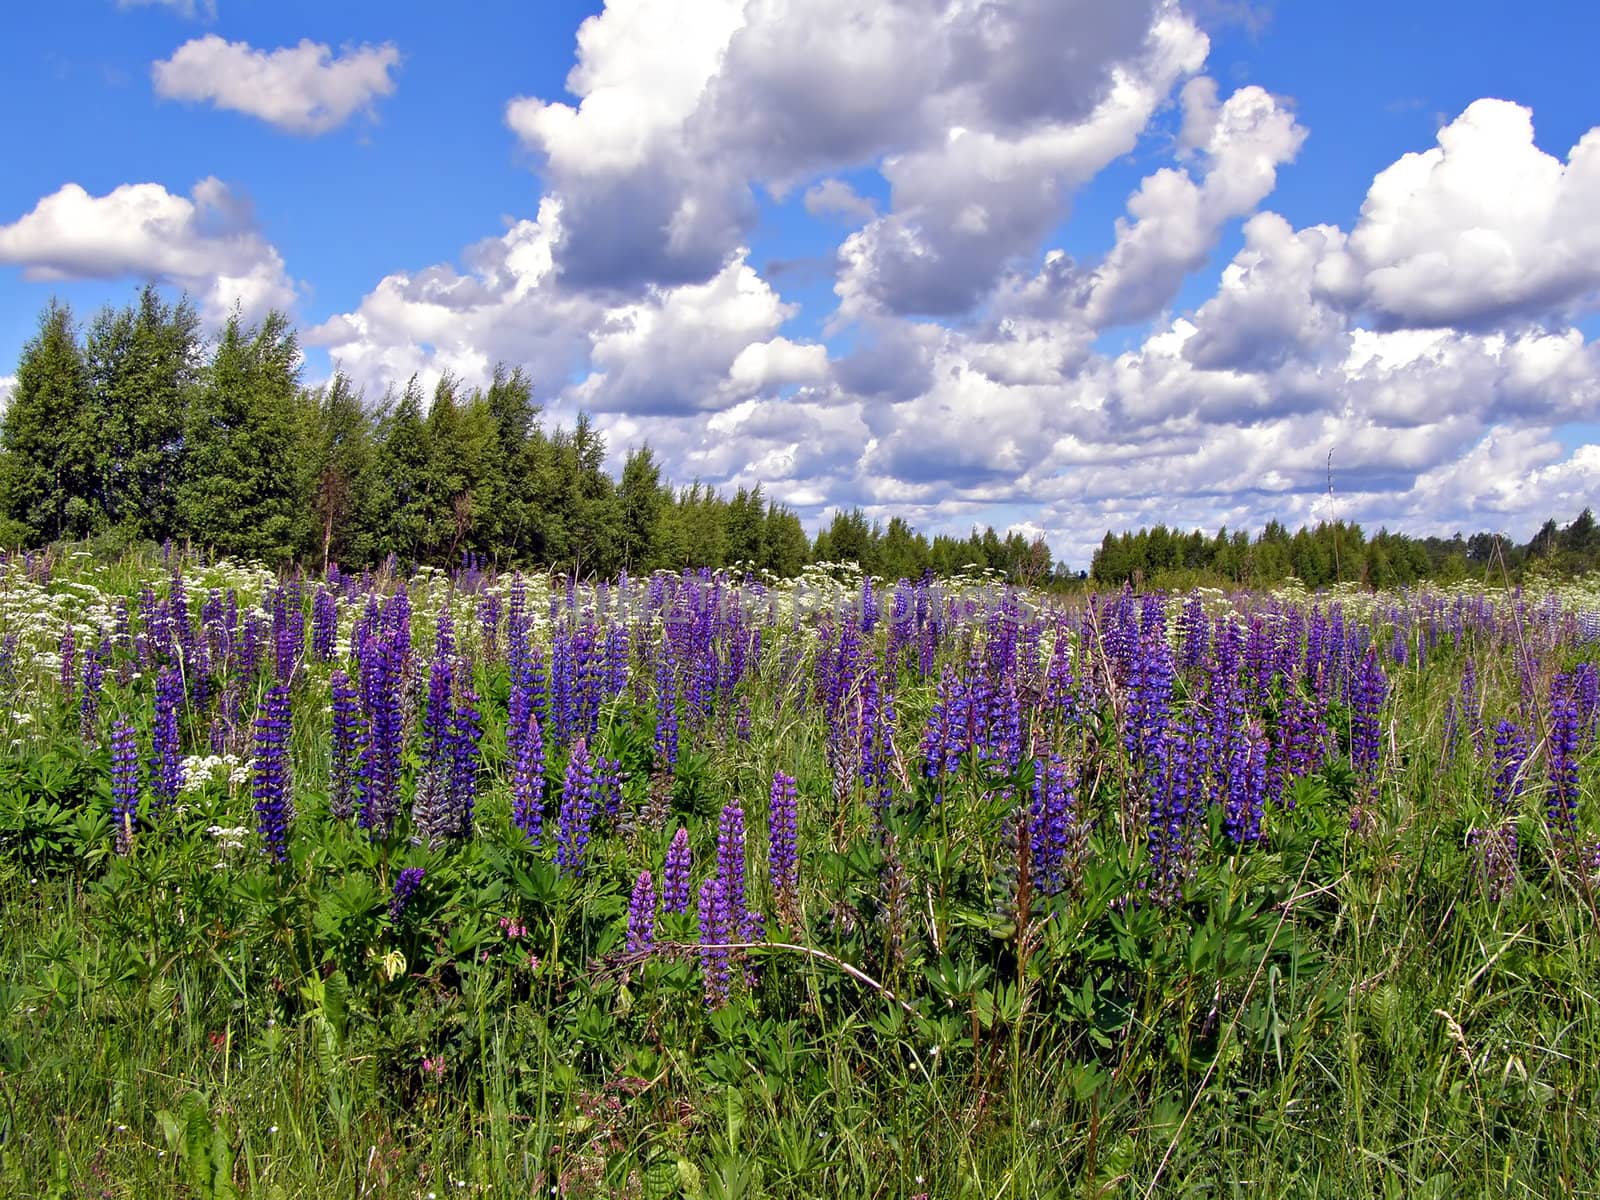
707	884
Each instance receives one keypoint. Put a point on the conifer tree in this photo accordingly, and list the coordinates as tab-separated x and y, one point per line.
243	485
50	438
144	364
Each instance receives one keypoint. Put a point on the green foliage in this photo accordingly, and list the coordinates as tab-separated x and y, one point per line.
243	450
1330	1011
52	442
1338	552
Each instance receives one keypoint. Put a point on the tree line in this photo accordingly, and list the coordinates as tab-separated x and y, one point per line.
138	428
1337	551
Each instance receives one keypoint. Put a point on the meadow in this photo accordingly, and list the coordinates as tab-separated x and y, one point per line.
710	884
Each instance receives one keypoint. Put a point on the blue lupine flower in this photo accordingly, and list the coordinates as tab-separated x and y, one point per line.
348	738
675	875
577	811
124	784
166	766
642	914
274	807
782	837
527	780
716	929
406	885
1561	800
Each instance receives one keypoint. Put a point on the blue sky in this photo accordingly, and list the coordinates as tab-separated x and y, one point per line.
1063	265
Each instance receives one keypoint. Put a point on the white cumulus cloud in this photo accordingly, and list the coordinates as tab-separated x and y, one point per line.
982	118
1483	227
305	89
207	243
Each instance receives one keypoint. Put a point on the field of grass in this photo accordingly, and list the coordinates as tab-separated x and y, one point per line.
708	886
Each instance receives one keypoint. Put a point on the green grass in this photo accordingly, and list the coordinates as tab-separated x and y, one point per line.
1328	1013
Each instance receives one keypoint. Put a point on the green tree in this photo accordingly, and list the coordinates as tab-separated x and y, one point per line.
446	487
145	363
52	442
399	503
341	464
641	500
746	517
243	490
784	542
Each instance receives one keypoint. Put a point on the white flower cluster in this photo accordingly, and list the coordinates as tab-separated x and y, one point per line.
229	838
200	769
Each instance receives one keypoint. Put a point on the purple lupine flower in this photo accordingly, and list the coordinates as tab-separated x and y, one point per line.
1245	800
1149	696
873	768
250	644
1508	767
444	634
577	811
527	781
348	737
1260	659
324	624
178	611
436	717
406	885
1059	685
1177	803
782	839
616	660
288	630
383	660
1585	687
1002	744
517	627
1561	799
716	929
642	915
94	674
274	806
1193	631
166	767
465	732
675	875
1051	821
1366	700
947	735
124	784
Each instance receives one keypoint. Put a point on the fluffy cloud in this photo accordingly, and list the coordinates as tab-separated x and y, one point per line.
982	196
506	307
983	119
8	384
836	198
695	347
1482	228
680	350
207	243
1176	220
305	89
1438	381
